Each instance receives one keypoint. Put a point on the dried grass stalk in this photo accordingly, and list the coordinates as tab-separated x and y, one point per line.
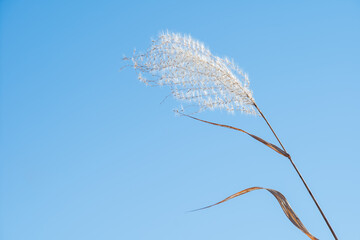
195	76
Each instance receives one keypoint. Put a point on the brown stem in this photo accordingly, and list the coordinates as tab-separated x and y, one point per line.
302	179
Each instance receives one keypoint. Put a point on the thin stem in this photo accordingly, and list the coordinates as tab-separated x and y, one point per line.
298	172
270	126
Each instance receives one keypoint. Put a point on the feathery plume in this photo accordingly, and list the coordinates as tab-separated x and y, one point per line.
194	75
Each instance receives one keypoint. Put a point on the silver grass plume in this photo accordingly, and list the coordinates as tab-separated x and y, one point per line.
194	75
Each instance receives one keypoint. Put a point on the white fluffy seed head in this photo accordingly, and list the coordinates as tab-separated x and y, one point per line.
194	75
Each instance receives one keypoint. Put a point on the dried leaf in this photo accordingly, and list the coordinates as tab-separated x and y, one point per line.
283	203
270	145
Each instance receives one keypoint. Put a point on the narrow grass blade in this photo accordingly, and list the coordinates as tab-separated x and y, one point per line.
270	145
282	201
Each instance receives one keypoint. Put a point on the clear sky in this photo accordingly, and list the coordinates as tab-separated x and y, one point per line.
88	152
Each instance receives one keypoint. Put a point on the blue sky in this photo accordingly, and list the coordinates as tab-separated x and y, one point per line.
88	152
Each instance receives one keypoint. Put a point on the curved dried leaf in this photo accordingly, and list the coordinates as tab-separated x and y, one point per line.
283	203
270	145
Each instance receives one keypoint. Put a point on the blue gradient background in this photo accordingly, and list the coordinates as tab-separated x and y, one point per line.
88	152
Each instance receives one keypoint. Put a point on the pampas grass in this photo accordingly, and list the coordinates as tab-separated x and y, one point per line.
198	78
